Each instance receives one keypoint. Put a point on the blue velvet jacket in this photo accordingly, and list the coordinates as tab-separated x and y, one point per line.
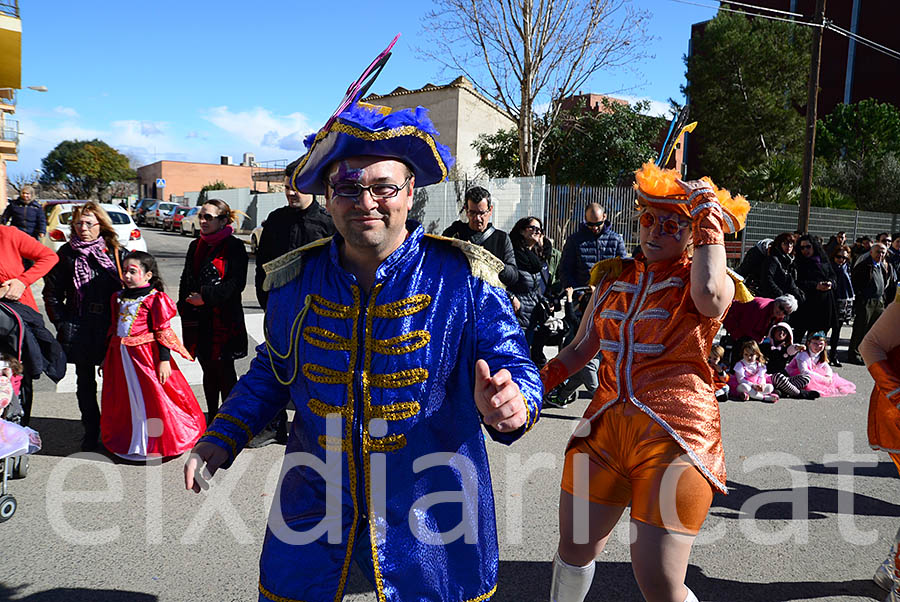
383	387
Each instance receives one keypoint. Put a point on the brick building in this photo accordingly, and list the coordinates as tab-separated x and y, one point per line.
183	176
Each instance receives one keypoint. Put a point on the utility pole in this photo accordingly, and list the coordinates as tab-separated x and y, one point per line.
811	114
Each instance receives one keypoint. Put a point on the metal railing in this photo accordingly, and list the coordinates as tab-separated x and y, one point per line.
10	8
259	168
564	211
9	131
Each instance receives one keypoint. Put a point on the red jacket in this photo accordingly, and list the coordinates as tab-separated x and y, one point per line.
752	319
16	245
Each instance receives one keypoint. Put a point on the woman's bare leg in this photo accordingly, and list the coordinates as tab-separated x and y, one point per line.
659	560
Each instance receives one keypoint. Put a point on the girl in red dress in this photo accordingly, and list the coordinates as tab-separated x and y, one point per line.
147	409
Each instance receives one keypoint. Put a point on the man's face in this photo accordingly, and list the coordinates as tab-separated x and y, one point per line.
878	252
479	215
896	244
292	196
866	243
841	238
594	220
371	224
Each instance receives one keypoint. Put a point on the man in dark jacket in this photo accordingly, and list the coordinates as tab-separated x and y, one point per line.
594	241
479	231
875	284
301	222
26	214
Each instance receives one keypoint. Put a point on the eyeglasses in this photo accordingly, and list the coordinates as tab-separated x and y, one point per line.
805	247
379	191
87	225
206	217
473	213
842	257
535	229
593	224
669	225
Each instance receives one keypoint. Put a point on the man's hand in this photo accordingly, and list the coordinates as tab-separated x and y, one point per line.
499	399
195	299
13	289
196	475
164	371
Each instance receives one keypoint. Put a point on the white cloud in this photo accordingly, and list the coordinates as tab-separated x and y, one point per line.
657	108
261	127
66	111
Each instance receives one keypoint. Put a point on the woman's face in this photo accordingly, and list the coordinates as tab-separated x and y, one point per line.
787	246
663	234
210	220
87	228
778	313
806	248
533	233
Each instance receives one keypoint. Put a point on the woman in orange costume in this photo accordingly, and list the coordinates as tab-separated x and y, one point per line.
651	435
881	350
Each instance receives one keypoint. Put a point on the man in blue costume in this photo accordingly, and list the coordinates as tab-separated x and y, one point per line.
395	347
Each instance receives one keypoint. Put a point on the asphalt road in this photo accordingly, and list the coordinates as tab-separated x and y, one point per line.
811	513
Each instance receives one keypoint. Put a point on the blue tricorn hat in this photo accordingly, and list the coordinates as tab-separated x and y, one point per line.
359	128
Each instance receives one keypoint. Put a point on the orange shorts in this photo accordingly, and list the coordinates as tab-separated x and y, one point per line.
628	458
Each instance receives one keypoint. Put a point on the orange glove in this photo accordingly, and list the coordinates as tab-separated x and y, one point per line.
887	380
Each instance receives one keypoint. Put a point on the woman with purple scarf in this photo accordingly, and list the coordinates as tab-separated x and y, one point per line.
77	296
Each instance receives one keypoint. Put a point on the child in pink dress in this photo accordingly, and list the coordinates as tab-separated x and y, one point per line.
749	380
814	363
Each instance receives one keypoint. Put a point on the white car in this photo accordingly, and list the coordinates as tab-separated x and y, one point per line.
190	223
59	226
156	214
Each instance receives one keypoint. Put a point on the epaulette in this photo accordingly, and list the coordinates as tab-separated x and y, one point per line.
742	294
612	266
282	270
482	264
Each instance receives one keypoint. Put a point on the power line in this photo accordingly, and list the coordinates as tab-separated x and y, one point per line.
864	41
749	14
764	8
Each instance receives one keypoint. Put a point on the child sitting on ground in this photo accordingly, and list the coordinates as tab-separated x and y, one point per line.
720	372
749	379
779	349
813	363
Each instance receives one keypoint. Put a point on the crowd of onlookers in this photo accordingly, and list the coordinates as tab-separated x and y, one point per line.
774	346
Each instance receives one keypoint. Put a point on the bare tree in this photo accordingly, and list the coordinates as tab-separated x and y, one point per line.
525	53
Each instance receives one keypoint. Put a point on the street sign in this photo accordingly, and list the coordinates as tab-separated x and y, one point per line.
160	182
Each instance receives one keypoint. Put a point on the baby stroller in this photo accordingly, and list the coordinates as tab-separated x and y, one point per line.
16	441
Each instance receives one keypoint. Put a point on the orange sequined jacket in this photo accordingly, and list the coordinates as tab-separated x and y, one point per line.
881	350
655	344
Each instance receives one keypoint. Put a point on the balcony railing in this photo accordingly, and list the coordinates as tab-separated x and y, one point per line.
10	8
8	96
9	131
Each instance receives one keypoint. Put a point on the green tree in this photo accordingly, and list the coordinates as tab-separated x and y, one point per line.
204	192
86	168
747	85
582	146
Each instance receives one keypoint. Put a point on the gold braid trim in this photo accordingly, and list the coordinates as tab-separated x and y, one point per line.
293	344
329	309
386	444
613	267
243	426
482	264
395	346
396	411
325	339
483	597
323	410
335	444
282	270
396	380
275	598
327	376
402	307
225	438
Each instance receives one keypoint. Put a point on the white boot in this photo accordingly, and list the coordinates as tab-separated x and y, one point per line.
893	571
690	595
570	583
884	573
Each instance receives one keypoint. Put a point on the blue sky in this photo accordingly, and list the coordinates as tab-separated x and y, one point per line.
192	81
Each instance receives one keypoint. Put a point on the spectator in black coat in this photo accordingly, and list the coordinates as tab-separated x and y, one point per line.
479	230
751	265
893	252
209	301
875	284
817	281
26	214
835	241
594	241
778	276
301	222
78	299
532	284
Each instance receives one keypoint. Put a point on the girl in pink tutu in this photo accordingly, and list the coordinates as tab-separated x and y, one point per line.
749	380
814	363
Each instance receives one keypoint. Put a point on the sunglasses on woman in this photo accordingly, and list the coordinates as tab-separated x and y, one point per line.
669	225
